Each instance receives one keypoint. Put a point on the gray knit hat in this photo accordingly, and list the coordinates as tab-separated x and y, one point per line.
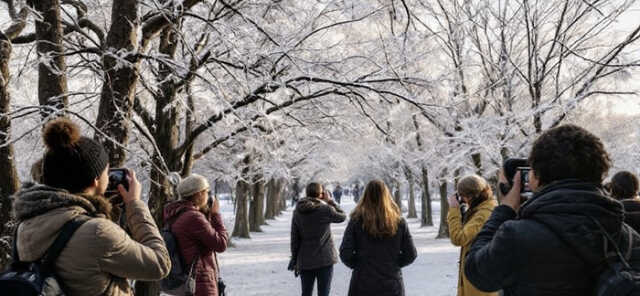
192	185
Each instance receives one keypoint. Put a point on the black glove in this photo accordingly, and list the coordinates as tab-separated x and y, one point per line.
292	266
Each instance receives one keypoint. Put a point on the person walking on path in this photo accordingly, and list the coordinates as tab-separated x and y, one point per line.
197	226
377	244
312	249
476	193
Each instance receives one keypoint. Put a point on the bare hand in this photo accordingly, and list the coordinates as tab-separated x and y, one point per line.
453	202
134	188
512	199
215	207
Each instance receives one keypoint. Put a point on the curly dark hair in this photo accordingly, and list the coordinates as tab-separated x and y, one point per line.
624	185
569	152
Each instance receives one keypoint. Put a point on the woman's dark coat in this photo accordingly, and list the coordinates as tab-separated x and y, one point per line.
311	238
198	234
551	246
376	263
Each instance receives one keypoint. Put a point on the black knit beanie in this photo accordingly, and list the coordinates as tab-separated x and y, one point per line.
72	161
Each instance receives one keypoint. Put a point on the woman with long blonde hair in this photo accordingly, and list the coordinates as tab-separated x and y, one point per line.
377	244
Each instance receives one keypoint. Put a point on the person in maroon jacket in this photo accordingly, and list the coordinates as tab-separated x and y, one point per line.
197	225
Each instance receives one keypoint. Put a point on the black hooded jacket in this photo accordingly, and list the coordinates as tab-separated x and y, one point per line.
632	213
311	239
552	247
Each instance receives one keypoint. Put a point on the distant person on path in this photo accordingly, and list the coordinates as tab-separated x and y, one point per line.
624	188
197	226
476	193
553	244
356	193
312	249
377	244
100	257
337	193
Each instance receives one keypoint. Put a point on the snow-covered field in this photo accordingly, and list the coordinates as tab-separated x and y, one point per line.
258	266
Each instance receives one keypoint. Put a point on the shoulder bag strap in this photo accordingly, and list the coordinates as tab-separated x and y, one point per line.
218	272
613	243
14	252
61	241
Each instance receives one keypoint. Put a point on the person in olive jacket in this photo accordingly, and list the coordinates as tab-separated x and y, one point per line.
312	246
476	193
551	244
624	188
196	223
377	244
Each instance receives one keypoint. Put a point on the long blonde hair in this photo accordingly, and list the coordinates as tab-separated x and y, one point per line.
377	211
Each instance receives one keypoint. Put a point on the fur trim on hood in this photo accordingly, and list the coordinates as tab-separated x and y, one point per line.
36	199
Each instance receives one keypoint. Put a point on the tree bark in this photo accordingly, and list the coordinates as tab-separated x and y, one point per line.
118	89
9	181
256	207
52	77
272	199
443	231
426	215
397	196
241	225
412	196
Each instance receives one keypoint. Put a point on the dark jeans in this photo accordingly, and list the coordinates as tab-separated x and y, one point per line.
323	275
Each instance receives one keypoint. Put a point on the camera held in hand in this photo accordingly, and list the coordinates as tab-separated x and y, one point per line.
510	167
117	177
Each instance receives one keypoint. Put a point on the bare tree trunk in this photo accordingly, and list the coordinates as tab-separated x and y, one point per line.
397	196
9	181
52	76
243	190
256	207
118	89
443	231
412	195
426	215
241	226
272	199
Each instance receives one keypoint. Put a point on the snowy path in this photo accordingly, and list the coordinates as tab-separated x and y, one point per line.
257	266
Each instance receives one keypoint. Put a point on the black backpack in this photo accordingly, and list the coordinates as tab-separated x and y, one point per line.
617	278
180	280
38	278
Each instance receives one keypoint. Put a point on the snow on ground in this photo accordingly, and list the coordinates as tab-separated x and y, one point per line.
258	266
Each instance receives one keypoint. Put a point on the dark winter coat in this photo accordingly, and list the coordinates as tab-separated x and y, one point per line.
311	238
524	257
198	234
376	263
632	213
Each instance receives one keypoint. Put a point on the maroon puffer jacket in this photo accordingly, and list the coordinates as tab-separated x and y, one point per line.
198	235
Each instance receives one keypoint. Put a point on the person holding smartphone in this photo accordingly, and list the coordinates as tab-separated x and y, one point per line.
197	225
100	256
312	250
553	244
476	193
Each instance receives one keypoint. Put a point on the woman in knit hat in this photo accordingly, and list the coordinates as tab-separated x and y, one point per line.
196	223
100	256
